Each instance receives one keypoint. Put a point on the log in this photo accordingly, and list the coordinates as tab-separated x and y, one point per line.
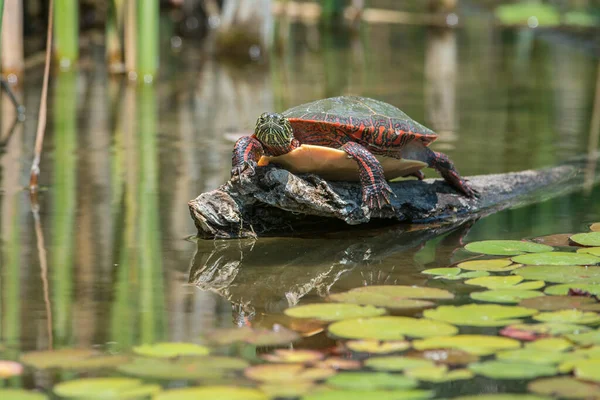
275	202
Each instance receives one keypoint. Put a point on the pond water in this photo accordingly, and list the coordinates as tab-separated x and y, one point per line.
109	261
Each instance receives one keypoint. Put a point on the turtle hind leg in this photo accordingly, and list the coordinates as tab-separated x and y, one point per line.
446	168
376	191
246	153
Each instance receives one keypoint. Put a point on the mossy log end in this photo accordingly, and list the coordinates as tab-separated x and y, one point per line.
276	202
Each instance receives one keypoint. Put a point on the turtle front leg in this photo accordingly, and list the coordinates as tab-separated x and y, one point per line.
246	153
446	168
375	189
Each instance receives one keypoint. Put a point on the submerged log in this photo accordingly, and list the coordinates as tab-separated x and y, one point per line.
276	202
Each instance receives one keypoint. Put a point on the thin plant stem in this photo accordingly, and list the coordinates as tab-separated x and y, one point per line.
41	127
39	234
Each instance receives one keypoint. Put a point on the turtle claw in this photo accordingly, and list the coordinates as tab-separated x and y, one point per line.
247	167
377	197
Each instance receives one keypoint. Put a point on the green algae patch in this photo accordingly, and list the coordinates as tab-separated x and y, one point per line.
505	295
569	317
564	387
480	345
105	388
497	265
390	328
397	363
591	239
377	347
506	247
479	314
333	311
563	274
271	373
559	258
279	335
212	393
371	381
407	292
497	369
168	349
380	300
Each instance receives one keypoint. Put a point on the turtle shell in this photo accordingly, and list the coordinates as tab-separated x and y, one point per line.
378	125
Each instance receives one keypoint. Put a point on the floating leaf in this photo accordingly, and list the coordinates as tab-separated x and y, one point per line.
556	258
559	240
595	227
479	314
287	373
532	356
348	394
293	356
376	346
536	331
445	356
497	265
474	344
10	368
564	274
564	289
439	373
588	352
520	14
408	292
496	369
390	328
171	349
506	247
338	363
380	300
591	239
56	358
588	370
465	275
550	344
495	282
20	394
505	295
564	387
105	388
290	389
442	271
569	317
207	367
397	363
553	303
333	311
212	393
371	381
260	337
585	338
502	396
595	251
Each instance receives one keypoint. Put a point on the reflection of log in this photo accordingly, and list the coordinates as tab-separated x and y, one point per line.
276	202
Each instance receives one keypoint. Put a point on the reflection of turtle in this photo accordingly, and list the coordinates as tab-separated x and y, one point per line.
321	137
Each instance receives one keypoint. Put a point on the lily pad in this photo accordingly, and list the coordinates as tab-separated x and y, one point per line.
506	247
563	289
553	303
502	396
339	363
272	373
397	363
550	344
505	295
390	328
171	349
556	258
370	381
569	317
439	373
408	292
541	330
289	390
442	271
56	358
212	393
590	239
479	314
595	227
496	369
293	356
333	311
348	394
480	345
588	370
465	275
376	346
497	265
105	388
564	274
495	282
595	251
585	338
10	368
532	356
380	300
559	240
564	387
279	335
20	394
452	357
207	367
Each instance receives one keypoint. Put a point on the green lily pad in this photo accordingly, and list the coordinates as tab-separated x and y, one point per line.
588	352
563	289
348	394
497	265
105	388
333	311
339	363
541	330
212	393
293	356
532	356
595	227
590	239
502	396
207	367
588	370
595	251
585	338
279	335
376	346
370	381
506	247
380	300
550	344
397	363
407	292
56	358
442	271
10	368
464	275
439	373
564	387
452	357
289	390
505	295
479	314
556	258
564	274
480	345
496	369
169	349
272	373
20	394
390	328
495	282
569	317
553	303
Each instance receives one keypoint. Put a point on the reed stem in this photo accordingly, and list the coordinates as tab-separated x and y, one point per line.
66	43
147	39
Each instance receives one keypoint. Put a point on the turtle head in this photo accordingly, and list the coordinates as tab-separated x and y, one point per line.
275	133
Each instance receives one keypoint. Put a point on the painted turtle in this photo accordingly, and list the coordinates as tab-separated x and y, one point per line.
346	138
